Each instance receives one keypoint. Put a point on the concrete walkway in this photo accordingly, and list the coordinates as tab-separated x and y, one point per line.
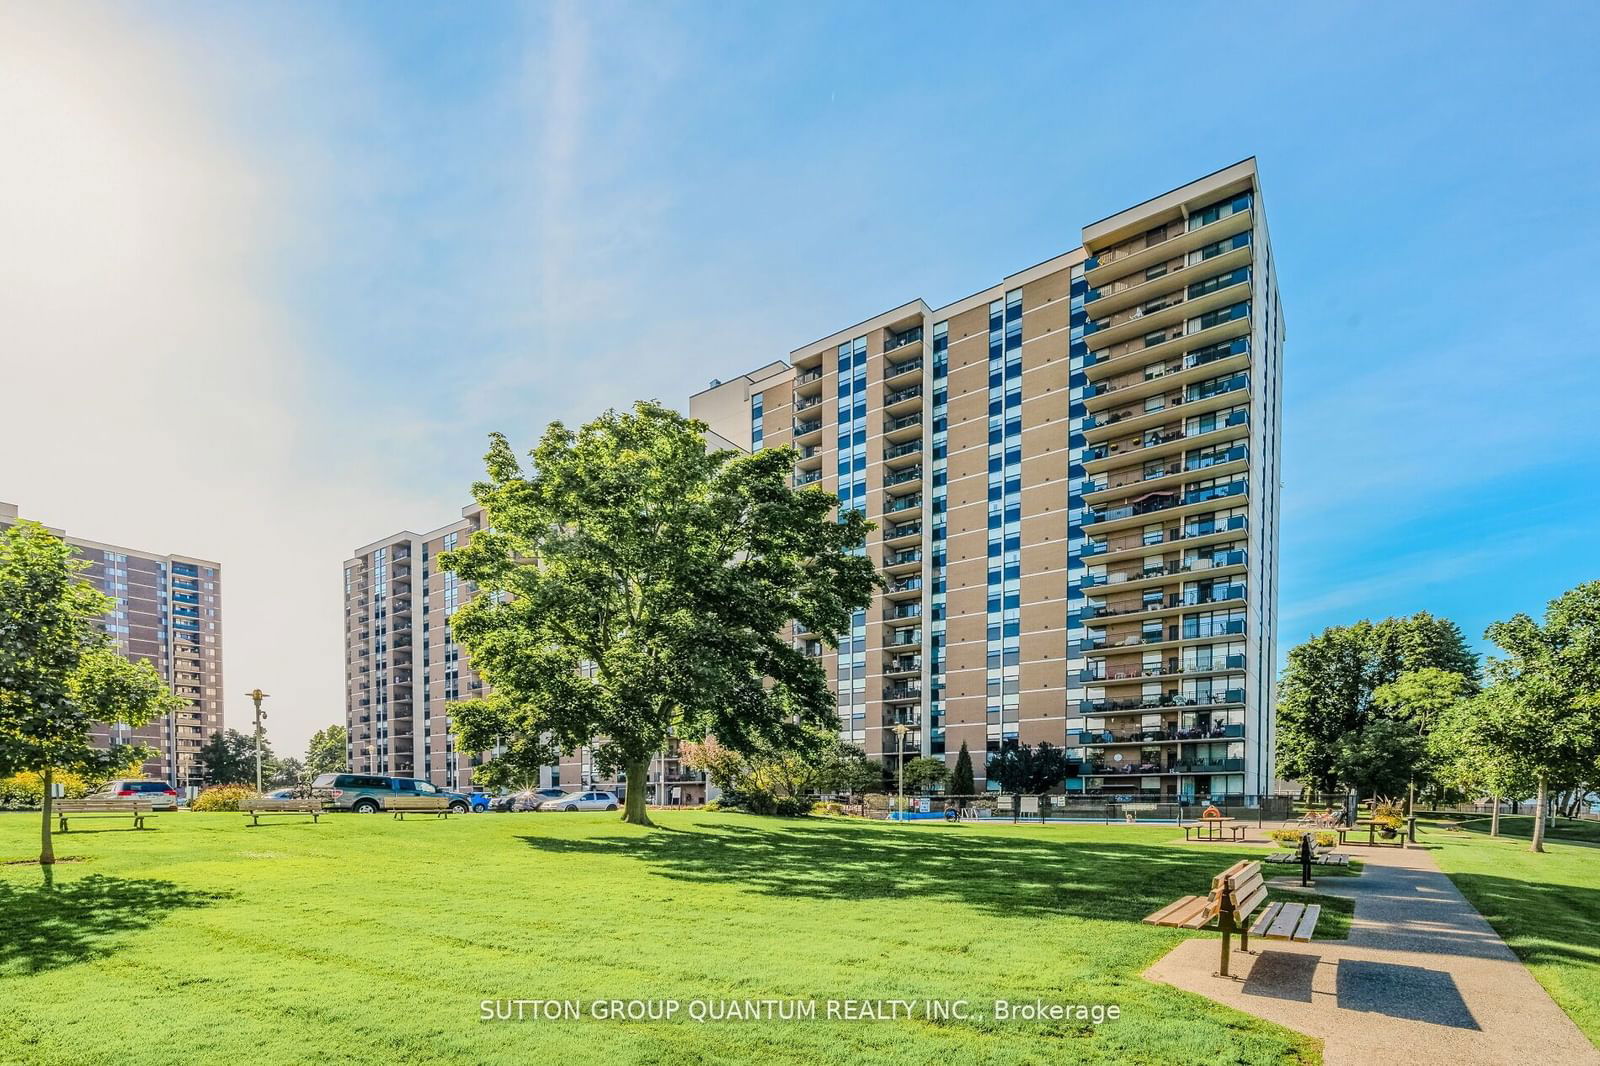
1422	979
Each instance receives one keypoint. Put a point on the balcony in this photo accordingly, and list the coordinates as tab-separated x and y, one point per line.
899	430
1170	307
1169	733
1166	475
898	373
1108	266
808	478
1099	672
1223	324
902	693
1174	601
807	377
808	432
903	610
1194	400
1229	698
901	454
900	504
1191	533
903	400
904	481
905	638
903	665
810	458
1217	257
1214	630
1149	576
1179	766
1161	442
899	562
807	403
902	533
893	342
904	588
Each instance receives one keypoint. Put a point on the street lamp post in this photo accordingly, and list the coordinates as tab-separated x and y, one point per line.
900	730
256	696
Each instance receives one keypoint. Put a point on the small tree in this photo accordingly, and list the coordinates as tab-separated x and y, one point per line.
287	772
634	587
229	758
962	782
926	773
59	674
325	754
846	769
1382	759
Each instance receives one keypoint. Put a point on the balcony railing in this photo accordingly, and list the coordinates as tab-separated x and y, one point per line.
802	428
808	376
903	394
913	555
913	419
908	448
904	610
891	341
905	529
900	477
902	692
1229	696
809	479
894	370
807	404
905	503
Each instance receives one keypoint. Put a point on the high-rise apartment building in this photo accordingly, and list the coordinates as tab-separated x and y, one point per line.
402	665
168	612
1074	478
403	668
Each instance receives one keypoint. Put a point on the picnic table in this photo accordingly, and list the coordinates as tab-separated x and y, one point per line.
1215	827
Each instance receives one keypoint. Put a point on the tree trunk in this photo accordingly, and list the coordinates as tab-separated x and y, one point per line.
1538	819
633	808
47	852
1494	815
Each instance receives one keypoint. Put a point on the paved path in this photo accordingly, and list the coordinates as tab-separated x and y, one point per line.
1423	978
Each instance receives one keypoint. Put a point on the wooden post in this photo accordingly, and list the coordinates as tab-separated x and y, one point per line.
1226	924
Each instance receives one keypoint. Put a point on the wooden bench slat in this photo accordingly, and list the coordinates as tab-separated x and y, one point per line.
1201	917
1264	922
1158	917
1243	908
1283	928
1308	923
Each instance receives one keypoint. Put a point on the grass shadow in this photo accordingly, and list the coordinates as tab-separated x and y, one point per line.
55	925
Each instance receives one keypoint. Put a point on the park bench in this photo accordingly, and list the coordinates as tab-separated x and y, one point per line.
1236	894
138	810
402	805
255	808
1028	807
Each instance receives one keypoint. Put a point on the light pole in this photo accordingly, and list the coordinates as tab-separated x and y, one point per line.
256	696
900	730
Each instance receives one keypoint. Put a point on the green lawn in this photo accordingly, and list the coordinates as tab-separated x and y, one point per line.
366	940
1546	907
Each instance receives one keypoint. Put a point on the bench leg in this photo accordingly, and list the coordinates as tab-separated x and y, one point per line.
1222	970
63	827
314	816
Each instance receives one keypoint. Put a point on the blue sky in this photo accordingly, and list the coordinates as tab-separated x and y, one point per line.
369	233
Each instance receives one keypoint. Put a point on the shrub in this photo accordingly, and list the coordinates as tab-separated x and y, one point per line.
1327	840
1286	838
831	809
26	790
221	798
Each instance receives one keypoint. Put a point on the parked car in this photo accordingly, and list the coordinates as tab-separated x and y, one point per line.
283	794
581	801
479	800
529	799
162	795
370	793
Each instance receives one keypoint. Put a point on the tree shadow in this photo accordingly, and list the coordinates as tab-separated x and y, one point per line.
1007	875
1394	990
55	925
1542	922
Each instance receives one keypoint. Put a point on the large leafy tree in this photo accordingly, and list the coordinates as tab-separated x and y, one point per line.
1542	717
59	673
634	586
1021	769
325	753
1326	694
229	758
